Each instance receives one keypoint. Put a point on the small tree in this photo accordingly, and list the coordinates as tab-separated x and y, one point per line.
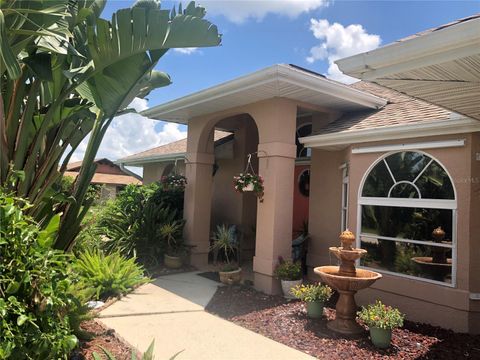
66	73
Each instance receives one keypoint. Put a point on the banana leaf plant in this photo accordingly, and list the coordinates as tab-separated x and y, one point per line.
65	74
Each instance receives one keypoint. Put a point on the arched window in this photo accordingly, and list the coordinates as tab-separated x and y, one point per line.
403	198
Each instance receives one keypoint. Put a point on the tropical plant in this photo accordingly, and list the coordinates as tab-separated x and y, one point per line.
381	316
38	311
312	292
63	77
171	233
288	270
108	275
225	243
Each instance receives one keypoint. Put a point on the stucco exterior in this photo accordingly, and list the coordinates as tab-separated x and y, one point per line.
422	301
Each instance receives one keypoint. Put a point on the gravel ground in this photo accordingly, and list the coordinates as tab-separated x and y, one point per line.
287	323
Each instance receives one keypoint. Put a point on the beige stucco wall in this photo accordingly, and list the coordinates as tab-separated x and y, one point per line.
421	301
154	171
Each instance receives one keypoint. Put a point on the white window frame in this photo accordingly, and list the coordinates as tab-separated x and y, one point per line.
411	203
309	150
345	199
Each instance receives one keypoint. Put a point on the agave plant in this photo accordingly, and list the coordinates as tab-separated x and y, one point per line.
63	77
225	242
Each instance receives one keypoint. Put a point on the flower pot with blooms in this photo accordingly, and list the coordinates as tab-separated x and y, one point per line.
381	320
174	182
315	295
290	275
246	182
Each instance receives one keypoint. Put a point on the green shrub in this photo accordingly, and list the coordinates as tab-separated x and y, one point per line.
37	308
107	275
312	293
288	270
381	316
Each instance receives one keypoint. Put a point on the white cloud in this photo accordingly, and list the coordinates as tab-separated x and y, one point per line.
338	41
239	11
186	51
131	133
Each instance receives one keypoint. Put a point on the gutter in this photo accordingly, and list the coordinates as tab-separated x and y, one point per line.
151	159
441	45
343	139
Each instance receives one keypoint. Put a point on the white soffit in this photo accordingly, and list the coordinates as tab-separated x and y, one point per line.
343	139
441	66
275	81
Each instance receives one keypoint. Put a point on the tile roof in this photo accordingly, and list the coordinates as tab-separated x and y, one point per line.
400	110
108	178
176	147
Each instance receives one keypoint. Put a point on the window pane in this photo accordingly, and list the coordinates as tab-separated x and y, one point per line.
378	182
303	131
408	259
404	190
407	165
435	183
406	223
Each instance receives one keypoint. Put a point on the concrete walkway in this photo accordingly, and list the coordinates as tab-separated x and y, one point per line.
171	311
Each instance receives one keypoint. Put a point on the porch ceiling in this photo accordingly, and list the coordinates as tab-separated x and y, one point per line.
275	81
441	66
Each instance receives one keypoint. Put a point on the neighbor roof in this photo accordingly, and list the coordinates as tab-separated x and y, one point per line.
114	179
170	151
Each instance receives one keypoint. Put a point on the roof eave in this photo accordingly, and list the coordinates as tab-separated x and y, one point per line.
459	40
268	75
341	140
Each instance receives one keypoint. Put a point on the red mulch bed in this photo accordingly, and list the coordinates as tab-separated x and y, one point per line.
103	337
287	323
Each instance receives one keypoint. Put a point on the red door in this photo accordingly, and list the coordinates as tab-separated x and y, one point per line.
301	193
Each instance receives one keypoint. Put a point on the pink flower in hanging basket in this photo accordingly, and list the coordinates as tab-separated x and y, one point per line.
246	182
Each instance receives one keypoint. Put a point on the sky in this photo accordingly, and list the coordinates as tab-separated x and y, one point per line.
257	34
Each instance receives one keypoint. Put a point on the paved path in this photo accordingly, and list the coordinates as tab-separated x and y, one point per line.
171	311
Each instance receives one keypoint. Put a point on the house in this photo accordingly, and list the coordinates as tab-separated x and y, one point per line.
112	177
388	166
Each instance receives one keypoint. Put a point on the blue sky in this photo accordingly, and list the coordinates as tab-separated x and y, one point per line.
256	34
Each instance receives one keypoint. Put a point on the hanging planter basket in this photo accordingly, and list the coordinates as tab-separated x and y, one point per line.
248	187
248	181
174	182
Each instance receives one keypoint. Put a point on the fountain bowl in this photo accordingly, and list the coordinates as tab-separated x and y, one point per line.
348	255
362	280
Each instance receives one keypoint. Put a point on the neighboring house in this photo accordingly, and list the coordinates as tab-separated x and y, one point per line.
112	177
388	166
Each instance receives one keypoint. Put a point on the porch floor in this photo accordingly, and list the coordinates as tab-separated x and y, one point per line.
171	311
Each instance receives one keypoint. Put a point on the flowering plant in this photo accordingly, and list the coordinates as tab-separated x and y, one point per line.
174	182
312	292
381	316
249	182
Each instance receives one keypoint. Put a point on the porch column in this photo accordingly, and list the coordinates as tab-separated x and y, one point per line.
275	213
197	205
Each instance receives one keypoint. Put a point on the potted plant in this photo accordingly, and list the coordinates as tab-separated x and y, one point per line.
225	244
381	319
315	295
174	182
290	275
245	182
171	233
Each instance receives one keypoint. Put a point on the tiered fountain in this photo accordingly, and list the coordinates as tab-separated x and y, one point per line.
347	280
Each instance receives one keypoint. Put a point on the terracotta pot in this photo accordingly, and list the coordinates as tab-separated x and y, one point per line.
287	285
381	338
231	277
315	309
249	187
172	262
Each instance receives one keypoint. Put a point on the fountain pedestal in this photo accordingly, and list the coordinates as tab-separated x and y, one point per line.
347	280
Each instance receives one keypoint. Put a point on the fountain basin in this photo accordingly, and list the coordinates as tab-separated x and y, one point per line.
362	280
